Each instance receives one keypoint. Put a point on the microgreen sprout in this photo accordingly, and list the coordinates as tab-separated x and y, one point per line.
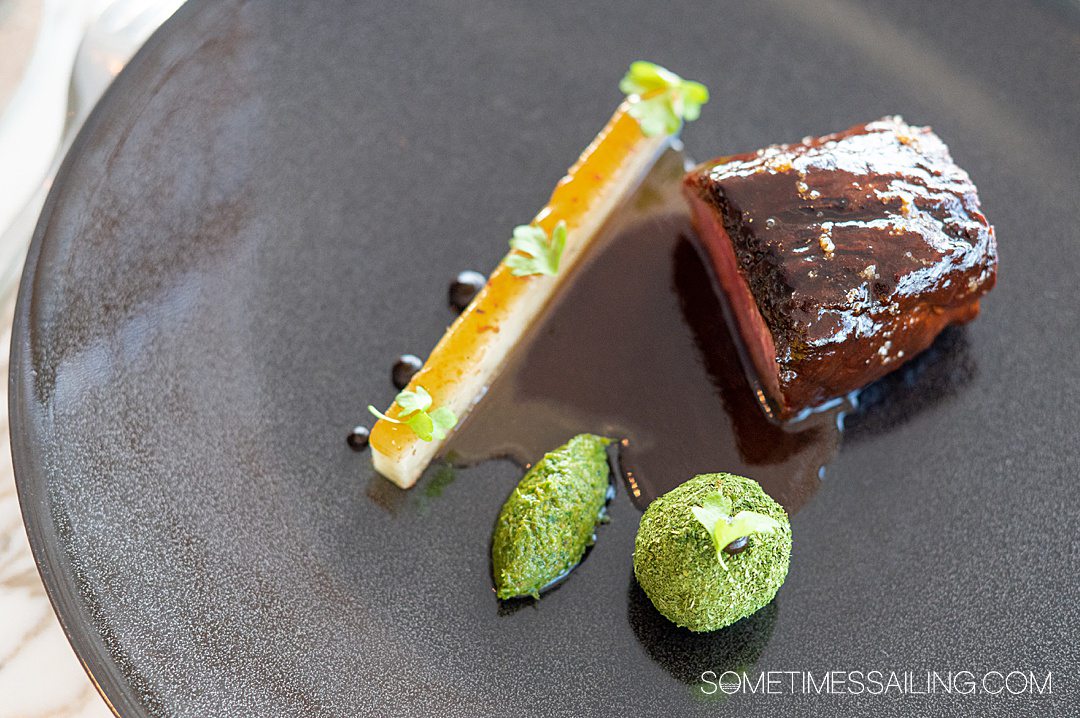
535	252
417	414
664	100
715	515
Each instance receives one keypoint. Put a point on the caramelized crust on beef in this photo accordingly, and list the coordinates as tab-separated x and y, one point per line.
842	256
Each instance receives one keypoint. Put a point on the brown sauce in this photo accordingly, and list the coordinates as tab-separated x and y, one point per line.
637	348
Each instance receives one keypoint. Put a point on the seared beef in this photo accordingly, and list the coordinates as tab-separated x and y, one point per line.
842	256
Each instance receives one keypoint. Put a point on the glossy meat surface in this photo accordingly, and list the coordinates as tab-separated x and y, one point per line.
842	256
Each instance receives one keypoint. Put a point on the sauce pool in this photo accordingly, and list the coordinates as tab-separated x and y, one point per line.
637	348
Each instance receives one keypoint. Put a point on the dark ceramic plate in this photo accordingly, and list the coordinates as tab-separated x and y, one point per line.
266	209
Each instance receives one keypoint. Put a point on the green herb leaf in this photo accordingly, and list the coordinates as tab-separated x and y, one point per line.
656	116
715	508
421	424
714	515
414	414
663	99
443	420
411	401
536	253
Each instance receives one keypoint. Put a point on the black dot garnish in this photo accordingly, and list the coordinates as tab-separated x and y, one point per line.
358	438
404	368
737	546
464	287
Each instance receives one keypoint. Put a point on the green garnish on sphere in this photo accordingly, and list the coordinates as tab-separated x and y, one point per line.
682	569
548	521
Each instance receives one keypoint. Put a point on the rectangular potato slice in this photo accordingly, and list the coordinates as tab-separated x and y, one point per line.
474	349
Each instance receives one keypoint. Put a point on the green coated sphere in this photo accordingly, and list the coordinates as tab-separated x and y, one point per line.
676	564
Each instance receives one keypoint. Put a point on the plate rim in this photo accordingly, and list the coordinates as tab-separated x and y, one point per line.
106	676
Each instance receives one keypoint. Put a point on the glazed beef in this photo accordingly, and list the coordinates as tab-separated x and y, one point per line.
842	256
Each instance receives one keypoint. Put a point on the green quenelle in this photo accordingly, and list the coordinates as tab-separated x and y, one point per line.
676	560
548	521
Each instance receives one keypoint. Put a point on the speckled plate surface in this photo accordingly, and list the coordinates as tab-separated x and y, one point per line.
266	209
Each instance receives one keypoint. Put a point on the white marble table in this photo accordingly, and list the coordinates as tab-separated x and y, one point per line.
39	673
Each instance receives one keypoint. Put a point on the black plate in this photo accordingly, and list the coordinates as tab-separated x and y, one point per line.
267	208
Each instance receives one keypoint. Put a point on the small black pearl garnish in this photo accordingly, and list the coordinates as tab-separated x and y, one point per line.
404	368
465	287
358	438
737	546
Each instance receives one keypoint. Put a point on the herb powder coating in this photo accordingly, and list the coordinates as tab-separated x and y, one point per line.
548	521
676	564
